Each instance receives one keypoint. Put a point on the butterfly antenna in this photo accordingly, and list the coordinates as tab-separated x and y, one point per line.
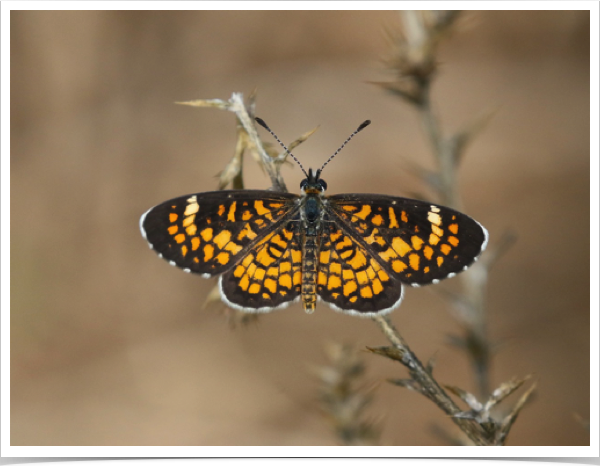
363	125
262	123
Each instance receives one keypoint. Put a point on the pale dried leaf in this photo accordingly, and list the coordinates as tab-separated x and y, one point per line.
406	383
214	296
504	390
392	352
213	103
509	420
467	397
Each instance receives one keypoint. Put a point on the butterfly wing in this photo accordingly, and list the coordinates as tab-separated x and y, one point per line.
417	242
351	279
269	275
208	233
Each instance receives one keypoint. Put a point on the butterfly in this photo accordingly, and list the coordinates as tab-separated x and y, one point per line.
355	252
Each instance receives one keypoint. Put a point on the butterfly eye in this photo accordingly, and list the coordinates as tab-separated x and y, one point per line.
303	183
323	185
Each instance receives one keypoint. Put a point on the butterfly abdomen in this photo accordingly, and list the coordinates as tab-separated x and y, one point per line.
309	273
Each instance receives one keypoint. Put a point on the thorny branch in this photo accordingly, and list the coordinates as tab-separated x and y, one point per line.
413	61
423	382
247	139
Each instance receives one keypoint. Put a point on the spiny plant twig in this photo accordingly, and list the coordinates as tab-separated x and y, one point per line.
343	399
247	139
413	63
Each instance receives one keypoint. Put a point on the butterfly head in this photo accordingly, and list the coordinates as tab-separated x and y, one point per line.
313	184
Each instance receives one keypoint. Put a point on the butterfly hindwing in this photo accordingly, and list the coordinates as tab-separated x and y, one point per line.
351	279
269	274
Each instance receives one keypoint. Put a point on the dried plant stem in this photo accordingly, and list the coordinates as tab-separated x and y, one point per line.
447	152
413	61
427	385
247	138
272	165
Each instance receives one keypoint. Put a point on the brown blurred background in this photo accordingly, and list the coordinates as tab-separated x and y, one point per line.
110	345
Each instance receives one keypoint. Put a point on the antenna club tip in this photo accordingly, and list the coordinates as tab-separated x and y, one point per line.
261	122
363	125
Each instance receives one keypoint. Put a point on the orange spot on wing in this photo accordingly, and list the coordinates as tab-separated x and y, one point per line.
388	254
359	260
377	220
209	251
414	260
233	248
322	279
393	221
416	242
246	231
334	282
222	239
191	230
377	286
188	220
437	230
248	260
285	266
223	258
286	281
428	252
207	234
349	288
364	212
270	285
433	239
398	266
335	268
335	236
231	213
366	292
400	246
254	288
260	208
244	283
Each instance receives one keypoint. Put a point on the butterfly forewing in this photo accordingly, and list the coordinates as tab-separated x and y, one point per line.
209	233
416	242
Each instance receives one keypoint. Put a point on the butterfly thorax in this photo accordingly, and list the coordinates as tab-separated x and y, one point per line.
313	189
